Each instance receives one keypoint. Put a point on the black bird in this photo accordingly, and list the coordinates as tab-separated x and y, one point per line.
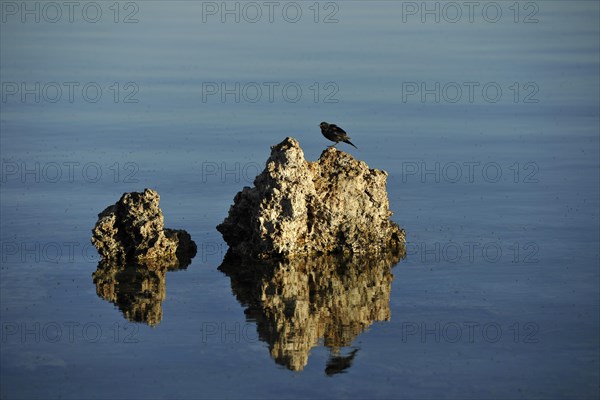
335	134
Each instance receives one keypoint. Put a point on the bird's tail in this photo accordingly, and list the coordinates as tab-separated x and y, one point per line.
350	143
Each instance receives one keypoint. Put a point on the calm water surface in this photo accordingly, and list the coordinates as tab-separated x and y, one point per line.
488	129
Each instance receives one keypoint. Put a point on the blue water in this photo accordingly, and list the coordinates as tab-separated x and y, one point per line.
497	189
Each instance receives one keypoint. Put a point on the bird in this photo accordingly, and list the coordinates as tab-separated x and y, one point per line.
335	134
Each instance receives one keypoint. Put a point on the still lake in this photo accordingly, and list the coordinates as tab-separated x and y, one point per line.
485	116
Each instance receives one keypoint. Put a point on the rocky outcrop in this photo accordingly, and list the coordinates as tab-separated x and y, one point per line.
132	230
299	302
336	204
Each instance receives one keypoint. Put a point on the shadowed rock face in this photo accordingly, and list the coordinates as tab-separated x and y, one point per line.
334	205
300	301
137	289
133	230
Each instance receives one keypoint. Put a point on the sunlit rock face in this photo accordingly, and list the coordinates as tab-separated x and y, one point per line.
336	204
299	301
133	230
138	290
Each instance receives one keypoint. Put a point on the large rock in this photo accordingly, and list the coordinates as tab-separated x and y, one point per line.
336	204
133	230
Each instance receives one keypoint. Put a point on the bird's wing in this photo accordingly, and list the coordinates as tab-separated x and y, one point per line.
337	128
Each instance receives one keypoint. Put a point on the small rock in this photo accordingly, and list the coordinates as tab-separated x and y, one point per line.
336	204
133	230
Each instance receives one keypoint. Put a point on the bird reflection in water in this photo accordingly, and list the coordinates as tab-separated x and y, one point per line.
137	288
299	302
338	364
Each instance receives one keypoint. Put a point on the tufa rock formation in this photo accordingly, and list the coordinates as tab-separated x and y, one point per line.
132	230
299	302
334	205
137	251
327	245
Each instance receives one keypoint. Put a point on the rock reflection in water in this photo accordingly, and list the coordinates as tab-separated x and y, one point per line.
298	302
138	289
